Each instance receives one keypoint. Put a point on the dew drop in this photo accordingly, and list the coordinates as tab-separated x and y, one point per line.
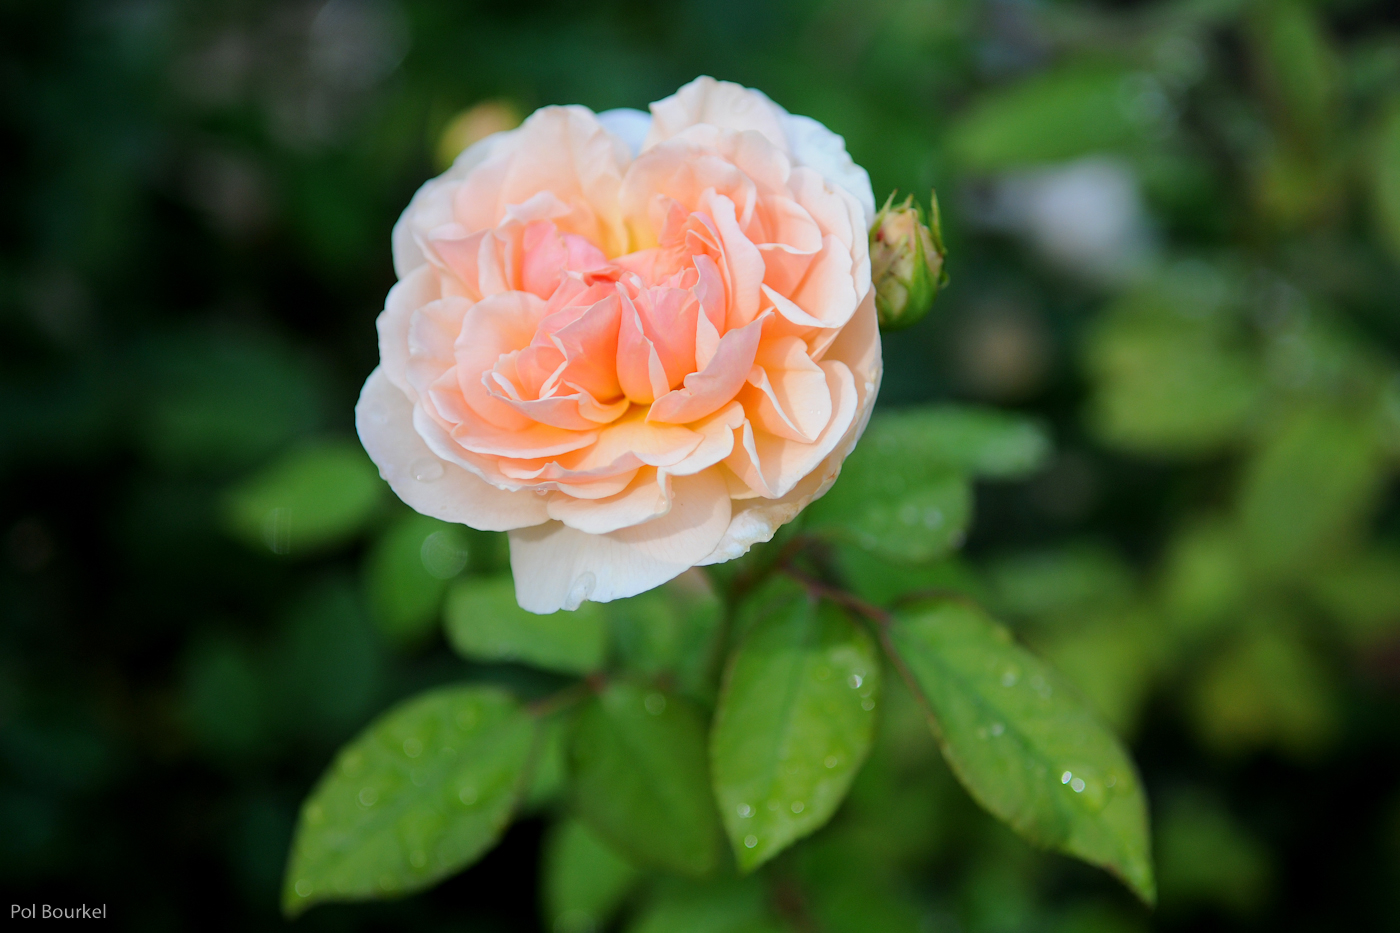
745	811
867	704
418	858
831	761
798	806
655	704
1066	777
997	729
750	841
580	590
467	795
368	796
412	747
1112	780
1077	785
855	680
1009	677
426	469
304	888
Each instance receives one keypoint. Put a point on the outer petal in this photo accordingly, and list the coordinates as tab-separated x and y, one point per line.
627	124
418	288
431	206
384	420
557	567
723	104
817	147
646	497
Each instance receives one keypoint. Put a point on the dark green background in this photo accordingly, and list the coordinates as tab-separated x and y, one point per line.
195	204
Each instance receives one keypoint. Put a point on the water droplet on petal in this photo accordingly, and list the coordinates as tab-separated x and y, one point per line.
304	888
655	704
412	747
750	841
426	469
580	590
368	796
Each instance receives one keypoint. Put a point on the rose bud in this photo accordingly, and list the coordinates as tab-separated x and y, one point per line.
906	259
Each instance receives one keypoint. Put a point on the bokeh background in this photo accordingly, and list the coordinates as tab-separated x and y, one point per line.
1174	232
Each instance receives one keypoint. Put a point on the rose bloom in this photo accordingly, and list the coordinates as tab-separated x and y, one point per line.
638	343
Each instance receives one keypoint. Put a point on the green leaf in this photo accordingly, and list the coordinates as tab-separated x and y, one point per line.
1049	118
1167	381
881	581
406	574
313	498
793	726
485	622
903	493
1206	856
584	881
1385	180
1267	688
1024	746
1298	66
899	513
640	778
981	442
722	906
424	791
1306	493
1063	581
668	631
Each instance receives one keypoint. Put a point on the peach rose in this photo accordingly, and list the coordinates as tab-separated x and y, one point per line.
637	343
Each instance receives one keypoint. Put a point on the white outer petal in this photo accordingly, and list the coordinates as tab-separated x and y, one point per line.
629	125
384	420
557	567
817	147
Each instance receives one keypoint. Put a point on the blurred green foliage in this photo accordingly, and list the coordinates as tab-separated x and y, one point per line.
1174	234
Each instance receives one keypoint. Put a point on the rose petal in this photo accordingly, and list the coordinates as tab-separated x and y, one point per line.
420	287
720	103
384	420
787	393
557	567
773	465
708	390
645	498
